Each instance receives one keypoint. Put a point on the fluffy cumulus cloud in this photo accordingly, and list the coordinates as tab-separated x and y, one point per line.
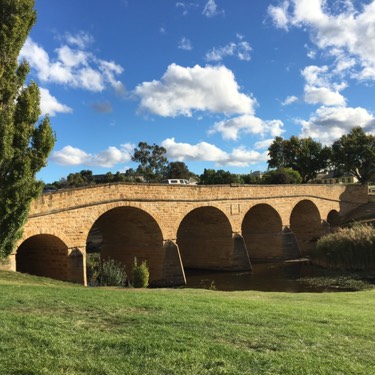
74	65
232	128
50	105
203	151
348	35
181	91
107	159
328	124
320	89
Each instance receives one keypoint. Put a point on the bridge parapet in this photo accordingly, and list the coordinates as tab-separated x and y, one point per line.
349	195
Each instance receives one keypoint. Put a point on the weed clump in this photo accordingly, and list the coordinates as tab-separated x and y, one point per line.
140	274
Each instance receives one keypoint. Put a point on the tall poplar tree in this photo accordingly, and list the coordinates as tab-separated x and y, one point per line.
24	144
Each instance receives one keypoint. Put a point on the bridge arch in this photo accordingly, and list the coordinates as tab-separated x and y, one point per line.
205	240
125	232
262	232
306	224
44	255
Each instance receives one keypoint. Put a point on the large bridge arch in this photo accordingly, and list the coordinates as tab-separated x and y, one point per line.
205	240
43	255
262	231
126	232
307	225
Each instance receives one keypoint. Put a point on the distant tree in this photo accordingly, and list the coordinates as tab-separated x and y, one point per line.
152	161
219	177
109	177
303	155
178	169
24	146
83	178
281	176
119	177
251	179
355	154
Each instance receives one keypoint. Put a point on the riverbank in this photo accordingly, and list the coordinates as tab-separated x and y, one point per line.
50	327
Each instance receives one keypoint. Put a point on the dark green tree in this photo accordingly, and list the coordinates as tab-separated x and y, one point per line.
83	178
355	153
24	146
152	161
303	155
281	176
178	169
219	177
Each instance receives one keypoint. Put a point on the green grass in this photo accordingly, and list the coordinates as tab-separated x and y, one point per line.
50	327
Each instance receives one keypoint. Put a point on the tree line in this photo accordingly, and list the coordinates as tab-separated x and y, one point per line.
290	161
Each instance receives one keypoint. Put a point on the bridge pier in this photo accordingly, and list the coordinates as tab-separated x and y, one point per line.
240	259
173	273
76	272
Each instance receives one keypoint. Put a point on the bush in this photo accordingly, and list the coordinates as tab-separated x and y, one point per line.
348	249
112	273
140	274
107	272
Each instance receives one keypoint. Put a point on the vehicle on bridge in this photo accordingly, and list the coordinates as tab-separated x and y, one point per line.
178	181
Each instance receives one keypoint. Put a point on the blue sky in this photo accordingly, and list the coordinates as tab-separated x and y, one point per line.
213	81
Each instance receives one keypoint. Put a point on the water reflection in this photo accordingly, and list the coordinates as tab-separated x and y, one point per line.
268	277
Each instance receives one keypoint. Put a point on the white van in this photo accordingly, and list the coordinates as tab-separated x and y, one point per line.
176	181
179	181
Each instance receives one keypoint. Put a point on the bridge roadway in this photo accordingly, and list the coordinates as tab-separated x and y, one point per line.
175	227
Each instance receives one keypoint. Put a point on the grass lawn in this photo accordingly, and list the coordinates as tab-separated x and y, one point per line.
51	327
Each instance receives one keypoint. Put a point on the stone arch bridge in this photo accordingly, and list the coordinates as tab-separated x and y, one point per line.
176	227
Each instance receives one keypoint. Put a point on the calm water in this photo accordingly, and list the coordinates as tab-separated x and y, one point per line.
271	277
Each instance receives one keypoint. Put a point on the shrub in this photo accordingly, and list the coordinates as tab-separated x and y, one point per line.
349	248
112	273
140	274
107	272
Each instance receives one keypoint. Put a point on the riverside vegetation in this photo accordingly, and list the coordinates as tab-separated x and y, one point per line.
349	249
111	272
52	327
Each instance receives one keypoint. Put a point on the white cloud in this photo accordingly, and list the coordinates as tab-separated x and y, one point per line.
329	123
279	15
240	49
81	40
108	158
348	34
263	145
319	89
211	10
50	105
322	95
184	90
185	44
231	129
203	151
289	100
73	65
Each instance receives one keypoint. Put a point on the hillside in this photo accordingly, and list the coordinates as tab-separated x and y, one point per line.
51	327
